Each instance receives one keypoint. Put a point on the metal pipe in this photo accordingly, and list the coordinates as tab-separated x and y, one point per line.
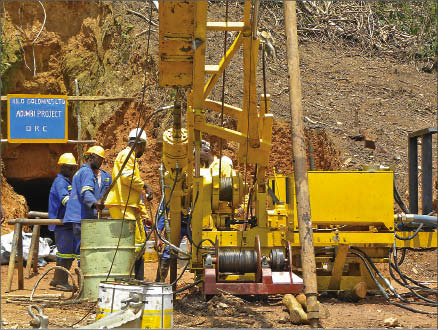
177	114
35	221
38	214
300	164
68	141
426	173
413	174
416	218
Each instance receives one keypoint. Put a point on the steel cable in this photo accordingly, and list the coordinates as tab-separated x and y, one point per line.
126	161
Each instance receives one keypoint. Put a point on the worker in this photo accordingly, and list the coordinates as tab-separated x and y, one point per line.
58	199
84	202
103	180
226	165
125	199
206	160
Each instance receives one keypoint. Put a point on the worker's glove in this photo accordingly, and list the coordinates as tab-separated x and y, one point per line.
99	205
149	193
147	222
159	245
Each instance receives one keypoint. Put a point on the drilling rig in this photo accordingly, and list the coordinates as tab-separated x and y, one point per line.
352	212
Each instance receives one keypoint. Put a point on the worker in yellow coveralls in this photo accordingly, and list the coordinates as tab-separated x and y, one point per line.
125	198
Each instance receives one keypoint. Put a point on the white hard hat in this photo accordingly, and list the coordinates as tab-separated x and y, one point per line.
133	135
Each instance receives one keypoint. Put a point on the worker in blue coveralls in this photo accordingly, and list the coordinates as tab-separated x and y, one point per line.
88	186
58	199
206	158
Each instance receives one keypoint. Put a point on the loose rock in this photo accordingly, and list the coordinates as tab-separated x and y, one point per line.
391	322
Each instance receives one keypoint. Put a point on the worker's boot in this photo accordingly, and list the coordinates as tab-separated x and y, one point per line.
163	269
60	277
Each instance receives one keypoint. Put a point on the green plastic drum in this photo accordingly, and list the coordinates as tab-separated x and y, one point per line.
99	243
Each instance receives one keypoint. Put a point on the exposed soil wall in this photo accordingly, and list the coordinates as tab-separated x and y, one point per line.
80	40
13	204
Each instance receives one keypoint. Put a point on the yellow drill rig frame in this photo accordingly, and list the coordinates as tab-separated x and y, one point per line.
349	209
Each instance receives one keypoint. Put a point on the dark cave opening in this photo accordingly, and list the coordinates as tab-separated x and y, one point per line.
36	192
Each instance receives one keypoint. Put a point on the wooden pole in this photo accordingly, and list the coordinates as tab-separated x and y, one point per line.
79	123
300	164
33	252
20	273
12	257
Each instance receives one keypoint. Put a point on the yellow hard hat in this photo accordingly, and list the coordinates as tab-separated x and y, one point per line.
97	150
67	159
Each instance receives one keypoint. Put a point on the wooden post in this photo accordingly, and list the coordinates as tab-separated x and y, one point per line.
79	123
36	250
32	258
11	266
338	267
20	260
300	164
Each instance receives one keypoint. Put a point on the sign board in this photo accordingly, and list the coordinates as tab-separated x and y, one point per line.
37	118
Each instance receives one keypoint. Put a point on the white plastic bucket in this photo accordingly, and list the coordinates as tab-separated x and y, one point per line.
158	307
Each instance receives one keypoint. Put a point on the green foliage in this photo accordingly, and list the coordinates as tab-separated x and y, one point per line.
415	18
11	60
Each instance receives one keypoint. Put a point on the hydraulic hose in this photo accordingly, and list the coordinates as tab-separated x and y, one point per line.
403	281
417	219
364	259
188	286
398	198
411	236
400	262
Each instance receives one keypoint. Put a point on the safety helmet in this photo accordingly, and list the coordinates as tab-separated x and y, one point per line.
133	135
67	159
97	150
205	145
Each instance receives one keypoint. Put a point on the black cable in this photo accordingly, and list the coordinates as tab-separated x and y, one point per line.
147	119
398	198
386	281
410	237
123	220
180	275
171	191
421	286
383	291
188	286
400	262
141	251
404	281
189	220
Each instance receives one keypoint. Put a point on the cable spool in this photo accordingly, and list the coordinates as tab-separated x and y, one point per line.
237	262
278	259
226	189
